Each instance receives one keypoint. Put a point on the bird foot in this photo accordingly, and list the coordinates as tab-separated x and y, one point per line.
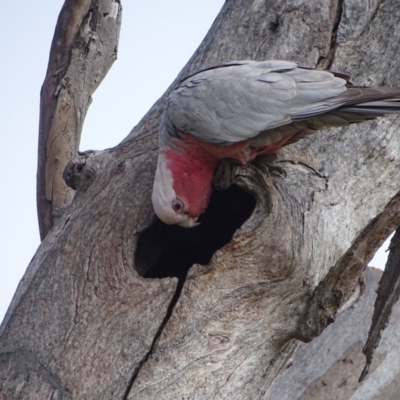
266	165
225	173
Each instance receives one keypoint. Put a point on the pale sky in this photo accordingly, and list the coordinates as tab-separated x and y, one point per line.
157	39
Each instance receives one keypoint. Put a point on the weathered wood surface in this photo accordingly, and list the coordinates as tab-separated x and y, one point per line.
83	49
329	367
85	324
388	295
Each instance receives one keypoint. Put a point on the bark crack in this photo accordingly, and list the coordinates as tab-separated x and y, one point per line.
325	63
167	317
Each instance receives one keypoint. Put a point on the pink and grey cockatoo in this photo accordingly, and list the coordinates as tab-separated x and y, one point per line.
244	109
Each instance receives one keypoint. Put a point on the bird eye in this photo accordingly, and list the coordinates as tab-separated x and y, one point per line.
177	206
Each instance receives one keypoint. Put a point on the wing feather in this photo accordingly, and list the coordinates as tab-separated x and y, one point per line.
241	99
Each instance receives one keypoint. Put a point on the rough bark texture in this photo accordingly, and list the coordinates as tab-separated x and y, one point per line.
388	295
329	367
96	315
83	49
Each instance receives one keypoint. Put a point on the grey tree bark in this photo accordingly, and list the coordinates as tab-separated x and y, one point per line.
83	49
329	367
115	305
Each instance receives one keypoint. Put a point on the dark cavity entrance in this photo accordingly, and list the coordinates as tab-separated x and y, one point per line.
170	250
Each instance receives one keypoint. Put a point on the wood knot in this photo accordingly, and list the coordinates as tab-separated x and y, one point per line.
78	175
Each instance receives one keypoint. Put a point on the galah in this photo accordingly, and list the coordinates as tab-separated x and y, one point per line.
244	109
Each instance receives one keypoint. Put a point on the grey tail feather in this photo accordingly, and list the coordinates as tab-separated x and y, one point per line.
372	101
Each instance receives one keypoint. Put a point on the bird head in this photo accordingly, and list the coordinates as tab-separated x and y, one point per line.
170	207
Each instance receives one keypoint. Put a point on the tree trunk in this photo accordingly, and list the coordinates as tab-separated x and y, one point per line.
329	367
117	305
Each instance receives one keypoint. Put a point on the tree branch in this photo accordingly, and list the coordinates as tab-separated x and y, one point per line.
388	294
82	51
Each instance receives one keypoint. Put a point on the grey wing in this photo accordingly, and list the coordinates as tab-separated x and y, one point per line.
237	101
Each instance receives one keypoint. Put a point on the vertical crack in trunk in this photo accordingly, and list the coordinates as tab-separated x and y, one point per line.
167	317
325	63
169	250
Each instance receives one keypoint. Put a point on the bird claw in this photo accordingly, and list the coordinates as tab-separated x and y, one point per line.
225	173
276	170
265	164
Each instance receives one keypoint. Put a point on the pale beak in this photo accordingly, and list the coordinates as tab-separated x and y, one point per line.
189	222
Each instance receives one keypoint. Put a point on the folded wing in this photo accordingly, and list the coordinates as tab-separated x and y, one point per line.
237	101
